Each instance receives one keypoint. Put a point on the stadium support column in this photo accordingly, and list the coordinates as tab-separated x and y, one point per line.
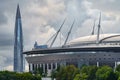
44	68
40	65
47	66
56	65
30	67
97	64
37	66
51	66
115	64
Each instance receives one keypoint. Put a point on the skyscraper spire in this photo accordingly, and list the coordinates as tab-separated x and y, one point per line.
18	12
18	43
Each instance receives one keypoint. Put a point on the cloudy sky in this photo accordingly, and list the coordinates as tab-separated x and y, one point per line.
42	18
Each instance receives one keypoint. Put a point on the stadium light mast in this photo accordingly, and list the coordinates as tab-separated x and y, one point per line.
98	32
69	32
93	29
57	33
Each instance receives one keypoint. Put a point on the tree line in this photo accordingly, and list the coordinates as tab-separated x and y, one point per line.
69	72
86	73
8	75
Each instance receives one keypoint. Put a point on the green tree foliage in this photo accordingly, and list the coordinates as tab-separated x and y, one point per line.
7	75
105	73
118	68
92	71
38	71
66	73
82	76
53	74
87	73
117	72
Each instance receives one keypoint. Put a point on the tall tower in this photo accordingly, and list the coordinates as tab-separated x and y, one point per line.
18	43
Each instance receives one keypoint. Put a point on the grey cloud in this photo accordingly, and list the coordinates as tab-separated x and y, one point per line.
106	5
6	38
6	42
6	56
6	7
41	2
3	18
110	18
74	9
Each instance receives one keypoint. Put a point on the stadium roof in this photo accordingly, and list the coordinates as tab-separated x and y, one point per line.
92	39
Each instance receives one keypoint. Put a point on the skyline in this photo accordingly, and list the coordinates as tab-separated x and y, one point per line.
42	18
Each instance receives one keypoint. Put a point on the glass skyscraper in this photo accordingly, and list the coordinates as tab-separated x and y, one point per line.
18	43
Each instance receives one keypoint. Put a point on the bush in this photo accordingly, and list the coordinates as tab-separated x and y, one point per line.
7	75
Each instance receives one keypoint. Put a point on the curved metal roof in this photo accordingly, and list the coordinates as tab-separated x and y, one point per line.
92	39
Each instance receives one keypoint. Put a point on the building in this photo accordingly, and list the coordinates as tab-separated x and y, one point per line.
100	49
18	43
78	52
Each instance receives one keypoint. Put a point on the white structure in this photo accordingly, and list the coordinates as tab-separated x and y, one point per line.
50	62
100	49
104	39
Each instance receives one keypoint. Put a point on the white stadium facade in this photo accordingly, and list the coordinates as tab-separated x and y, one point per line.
80	51
100	49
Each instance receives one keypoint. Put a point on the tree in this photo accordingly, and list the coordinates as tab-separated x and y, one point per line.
87	73
118	68
105	73
91	73
66	73
117	72
61	74
81	76
53	74
7	75
38	71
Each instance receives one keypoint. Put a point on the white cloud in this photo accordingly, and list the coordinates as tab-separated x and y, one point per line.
9	68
